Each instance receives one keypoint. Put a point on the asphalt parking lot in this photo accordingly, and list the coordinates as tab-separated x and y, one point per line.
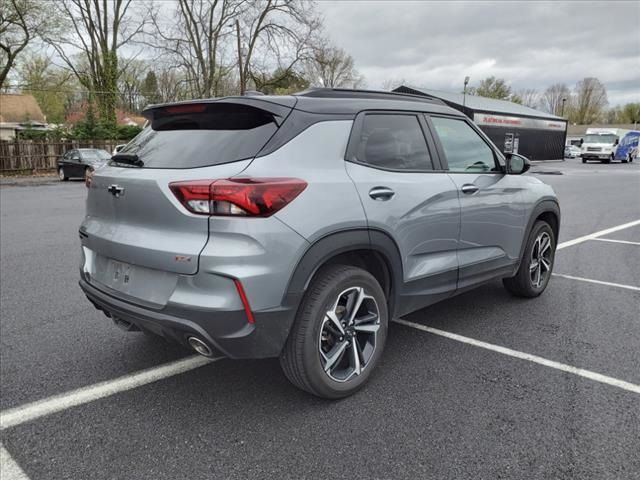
481	386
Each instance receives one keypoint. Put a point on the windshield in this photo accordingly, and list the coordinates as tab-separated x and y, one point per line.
600	138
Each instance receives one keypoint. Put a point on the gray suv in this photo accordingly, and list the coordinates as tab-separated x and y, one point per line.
298	226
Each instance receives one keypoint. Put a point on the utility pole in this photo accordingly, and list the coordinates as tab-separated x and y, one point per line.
240	70
562	111
464	91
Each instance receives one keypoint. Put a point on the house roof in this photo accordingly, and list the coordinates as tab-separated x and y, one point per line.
483	104
20	108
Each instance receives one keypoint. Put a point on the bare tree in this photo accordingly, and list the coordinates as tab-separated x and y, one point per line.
333	67
99	29
590	100
551	99
21	21
52	87
130	85
529	97
195	39
276	34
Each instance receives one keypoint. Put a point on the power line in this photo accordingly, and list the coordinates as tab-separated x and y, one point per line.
84	91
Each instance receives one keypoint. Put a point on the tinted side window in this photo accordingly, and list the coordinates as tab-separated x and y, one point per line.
465	150
393	141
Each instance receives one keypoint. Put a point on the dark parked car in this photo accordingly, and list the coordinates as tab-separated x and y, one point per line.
80	162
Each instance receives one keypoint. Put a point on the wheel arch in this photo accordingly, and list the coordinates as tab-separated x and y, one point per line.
370	249
548	210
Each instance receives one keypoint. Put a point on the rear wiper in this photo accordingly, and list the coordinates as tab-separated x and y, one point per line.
128	158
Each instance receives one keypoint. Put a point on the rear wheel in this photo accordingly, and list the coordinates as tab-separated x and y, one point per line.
536	265
62	175
584	160
339	334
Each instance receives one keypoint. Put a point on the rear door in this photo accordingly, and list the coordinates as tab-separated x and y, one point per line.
492	224
135	227
406	194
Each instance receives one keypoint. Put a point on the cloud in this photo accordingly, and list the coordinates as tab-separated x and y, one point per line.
530	44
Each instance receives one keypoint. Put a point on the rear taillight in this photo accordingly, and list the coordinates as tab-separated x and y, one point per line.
253	197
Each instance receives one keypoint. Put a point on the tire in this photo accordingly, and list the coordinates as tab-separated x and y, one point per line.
61	175
526	282
307	356
584	160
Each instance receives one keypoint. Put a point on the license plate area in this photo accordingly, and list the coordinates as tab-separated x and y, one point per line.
120	275
147	285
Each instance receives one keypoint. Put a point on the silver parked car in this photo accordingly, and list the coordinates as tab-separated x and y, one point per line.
298	226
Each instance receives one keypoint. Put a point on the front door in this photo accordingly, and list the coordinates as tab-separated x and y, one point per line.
407	195
493	216
76	169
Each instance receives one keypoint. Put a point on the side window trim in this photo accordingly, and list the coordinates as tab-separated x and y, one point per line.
437	158
356	132
474	127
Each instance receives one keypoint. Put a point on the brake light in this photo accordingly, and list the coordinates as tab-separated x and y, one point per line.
253	197
185	108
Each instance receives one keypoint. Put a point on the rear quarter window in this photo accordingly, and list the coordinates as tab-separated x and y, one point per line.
203	135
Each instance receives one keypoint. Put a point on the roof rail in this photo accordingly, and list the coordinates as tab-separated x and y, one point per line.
356	93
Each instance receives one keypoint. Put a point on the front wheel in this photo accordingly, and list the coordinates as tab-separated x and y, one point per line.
62	175
584	160
536	265
339	335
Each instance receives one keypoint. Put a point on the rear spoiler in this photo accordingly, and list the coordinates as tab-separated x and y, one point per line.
279	107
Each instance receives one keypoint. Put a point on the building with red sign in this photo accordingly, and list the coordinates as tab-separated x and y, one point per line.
512	127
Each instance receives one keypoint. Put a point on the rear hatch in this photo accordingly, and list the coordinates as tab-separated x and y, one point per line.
135	227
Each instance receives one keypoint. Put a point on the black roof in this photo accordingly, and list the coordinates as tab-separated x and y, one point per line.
333	101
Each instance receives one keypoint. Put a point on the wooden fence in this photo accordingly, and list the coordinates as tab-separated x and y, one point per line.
31	156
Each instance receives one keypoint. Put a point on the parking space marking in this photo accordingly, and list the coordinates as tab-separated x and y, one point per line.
612	240
57	403
599	282
594	235
597	377
9	468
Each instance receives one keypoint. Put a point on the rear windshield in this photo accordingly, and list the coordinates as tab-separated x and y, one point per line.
200	135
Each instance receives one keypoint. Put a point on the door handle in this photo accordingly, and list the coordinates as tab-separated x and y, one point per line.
381	193
469	188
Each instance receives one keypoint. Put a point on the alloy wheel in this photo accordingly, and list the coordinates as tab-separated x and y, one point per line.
61	173
348	334
541	260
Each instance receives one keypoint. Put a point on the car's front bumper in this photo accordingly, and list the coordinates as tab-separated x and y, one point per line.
226	332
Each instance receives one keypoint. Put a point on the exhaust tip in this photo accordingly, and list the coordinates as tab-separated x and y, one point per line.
199	346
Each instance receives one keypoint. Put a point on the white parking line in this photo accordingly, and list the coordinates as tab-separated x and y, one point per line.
626	242
9	468
599	282
31	411
597	377
592	236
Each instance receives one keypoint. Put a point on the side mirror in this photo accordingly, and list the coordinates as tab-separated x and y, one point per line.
517	164
581	141
616	142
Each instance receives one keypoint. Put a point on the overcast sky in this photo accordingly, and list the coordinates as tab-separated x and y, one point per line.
530	44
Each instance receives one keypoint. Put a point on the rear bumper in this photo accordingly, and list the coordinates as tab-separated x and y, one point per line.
227	332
